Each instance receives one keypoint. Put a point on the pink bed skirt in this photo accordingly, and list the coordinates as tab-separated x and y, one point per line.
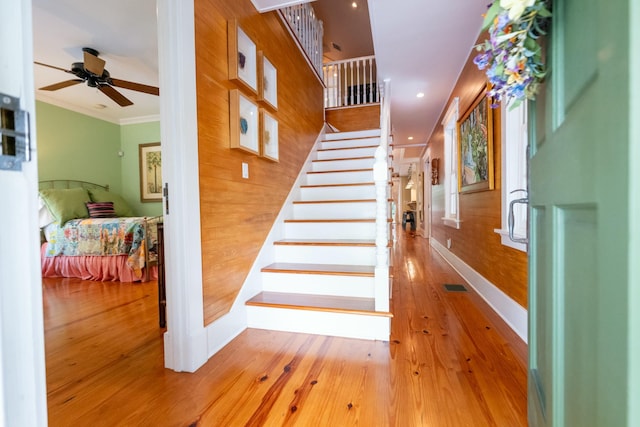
99	268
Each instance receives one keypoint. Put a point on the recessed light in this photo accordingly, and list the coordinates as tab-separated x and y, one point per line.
410	138
354	5
99	106
420	95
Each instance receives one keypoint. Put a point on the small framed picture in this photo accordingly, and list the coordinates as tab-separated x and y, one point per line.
243	119
150	172
268	135
243	66
268	83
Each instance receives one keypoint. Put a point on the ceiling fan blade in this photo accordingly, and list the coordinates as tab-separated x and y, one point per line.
53	66
151	90
93	64
62	85
116	96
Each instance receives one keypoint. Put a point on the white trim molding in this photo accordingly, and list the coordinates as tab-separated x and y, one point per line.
510	311
185	341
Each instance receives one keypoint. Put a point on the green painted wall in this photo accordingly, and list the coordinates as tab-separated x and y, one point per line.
131	136
75	146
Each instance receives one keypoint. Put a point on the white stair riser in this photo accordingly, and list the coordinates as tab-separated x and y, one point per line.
319	323
342	255
352	134
319	284
349	143
339	177
323	230
338	193
343	210
341	165
347	153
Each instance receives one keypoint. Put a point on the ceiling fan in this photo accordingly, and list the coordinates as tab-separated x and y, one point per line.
92	72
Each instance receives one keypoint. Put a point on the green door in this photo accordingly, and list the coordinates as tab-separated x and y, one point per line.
583	336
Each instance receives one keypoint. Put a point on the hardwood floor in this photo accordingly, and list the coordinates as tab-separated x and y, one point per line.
449	362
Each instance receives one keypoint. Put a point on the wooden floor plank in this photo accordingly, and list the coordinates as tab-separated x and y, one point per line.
450	361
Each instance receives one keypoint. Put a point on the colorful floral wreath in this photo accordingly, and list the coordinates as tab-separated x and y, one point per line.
512	57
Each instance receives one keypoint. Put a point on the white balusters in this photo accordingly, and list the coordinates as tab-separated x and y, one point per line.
351	82
308	31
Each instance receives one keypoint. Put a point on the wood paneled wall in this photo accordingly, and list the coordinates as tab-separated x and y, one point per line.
238	213
354	118
475	242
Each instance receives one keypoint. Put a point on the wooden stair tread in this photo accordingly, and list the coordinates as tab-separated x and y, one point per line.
351	139
330	242
310	202
348	148
338	185
335	220
351	305
343	170
344	158
328	269
326	242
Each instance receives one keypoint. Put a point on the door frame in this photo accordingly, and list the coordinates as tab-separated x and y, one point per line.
22	355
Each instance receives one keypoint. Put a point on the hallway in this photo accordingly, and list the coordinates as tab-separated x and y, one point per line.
450	362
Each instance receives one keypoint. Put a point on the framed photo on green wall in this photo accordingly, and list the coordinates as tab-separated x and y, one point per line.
150	172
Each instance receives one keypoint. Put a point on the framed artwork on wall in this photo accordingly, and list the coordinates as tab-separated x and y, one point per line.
269	136
243	119
150	172
268	82
475	146
243	64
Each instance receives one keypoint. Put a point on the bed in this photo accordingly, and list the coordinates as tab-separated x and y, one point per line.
91	233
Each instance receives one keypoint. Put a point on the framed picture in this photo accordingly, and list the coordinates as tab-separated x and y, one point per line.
243	66
268	136
150	172
268	83
243	119
475	147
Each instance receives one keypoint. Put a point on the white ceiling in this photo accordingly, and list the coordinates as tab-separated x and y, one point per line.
123	31
420	46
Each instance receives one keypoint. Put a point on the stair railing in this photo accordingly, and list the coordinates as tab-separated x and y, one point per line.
381	177
308	31
350	82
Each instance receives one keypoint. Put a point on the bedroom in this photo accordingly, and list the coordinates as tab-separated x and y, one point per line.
83	134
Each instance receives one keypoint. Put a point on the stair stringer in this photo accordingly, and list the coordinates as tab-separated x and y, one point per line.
227	327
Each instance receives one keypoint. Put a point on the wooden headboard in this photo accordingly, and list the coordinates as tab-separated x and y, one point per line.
69	183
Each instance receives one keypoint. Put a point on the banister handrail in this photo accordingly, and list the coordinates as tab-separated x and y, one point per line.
381	177
342	61
307	31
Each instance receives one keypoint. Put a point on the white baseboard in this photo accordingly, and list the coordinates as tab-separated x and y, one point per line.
510	311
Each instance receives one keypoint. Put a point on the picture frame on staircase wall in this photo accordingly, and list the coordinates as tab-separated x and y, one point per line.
268	136
242	57
243	123
267	82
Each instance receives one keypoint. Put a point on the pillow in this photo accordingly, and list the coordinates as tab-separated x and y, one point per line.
101	210
44	214
121	207
66	203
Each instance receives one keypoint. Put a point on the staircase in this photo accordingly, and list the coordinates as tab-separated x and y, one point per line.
322	280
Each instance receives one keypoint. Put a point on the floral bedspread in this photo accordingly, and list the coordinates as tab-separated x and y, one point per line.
102	237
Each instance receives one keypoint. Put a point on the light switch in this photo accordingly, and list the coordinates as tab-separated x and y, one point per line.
245	170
